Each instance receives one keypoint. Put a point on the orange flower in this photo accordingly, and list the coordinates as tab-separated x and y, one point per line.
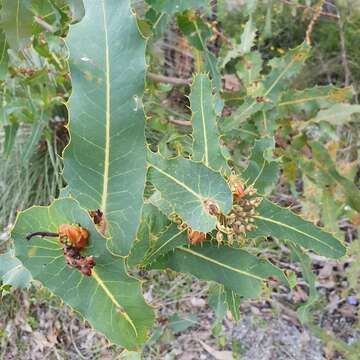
77	235
196	237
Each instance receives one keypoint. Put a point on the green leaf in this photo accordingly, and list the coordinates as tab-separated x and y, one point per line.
304	310
105	164
309	101
330	212
322	161
248	69
262	169
12	272
158	22
248	37
156	221
16	21
174	6
10	135
242	114
269	90
246	43
178	324
170	239
4	57
190	187
109	299
268	20
206	146
153	224
197	33
164	206
140	246
282	70
37	130
272	220
77	9
337	114
250	6
234	268
233	302
216	299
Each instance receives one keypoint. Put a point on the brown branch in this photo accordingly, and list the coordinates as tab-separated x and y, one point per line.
310	27
179	122
46	26
222	36
168	79
301	6
42	234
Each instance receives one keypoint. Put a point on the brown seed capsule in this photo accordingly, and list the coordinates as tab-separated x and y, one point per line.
211	207
219	237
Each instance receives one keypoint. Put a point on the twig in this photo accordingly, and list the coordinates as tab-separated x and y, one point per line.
344	60
312	23
222	36
168	79
44	24
179	122
42	234
301	6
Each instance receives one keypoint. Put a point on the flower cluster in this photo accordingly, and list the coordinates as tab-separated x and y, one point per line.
241	218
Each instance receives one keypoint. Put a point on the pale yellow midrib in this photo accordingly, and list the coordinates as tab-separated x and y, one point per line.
294	229
204	123
220	264
177	182
107	117
302	100
163	245
113	300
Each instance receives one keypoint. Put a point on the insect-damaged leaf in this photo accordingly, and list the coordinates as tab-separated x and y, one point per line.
191	188
109	299
104	163
206	146
272	220
234	268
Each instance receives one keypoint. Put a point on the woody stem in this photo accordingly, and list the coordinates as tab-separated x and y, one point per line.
42	234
